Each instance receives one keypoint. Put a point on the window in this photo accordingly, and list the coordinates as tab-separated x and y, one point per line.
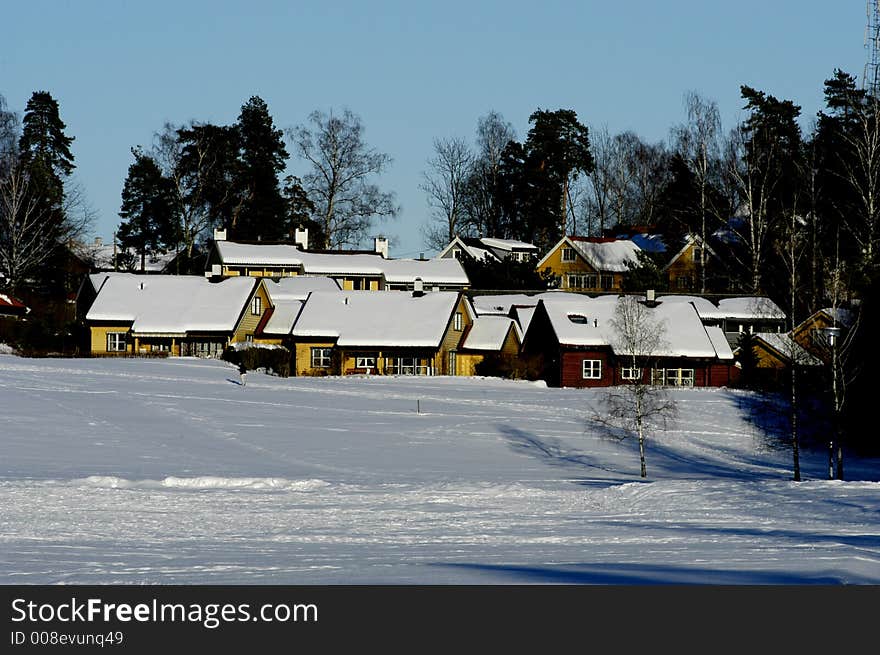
257	306
457	322
674	377
578	318
698	252
568	255
592	369
607	282
582	280
630	373
365	361
684	282
207	348
321	357
456	252
116	342
406	366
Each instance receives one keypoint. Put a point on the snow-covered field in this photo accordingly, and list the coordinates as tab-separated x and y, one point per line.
167	471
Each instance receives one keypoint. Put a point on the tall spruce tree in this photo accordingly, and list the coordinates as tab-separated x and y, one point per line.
45	154
149	223
536	176
262	209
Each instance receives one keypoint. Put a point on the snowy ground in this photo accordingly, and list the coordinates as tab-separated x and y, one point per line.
168	471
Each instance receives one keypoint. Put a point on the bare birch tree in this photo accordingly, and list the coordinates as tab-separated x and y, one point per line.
861	171
27	239
445	184
698	142
482	204
339	182
754	184
187	164
637	406
790	247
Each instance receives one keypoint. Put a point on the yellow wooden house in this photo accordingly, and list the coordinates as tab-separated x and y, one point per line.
352	270
390	333
595	265
488	335
182	315
684	270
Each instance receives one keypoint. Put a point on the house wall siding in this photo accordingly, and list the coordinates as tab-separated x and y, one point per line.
452	340
303	358
99	338
250	321
573	372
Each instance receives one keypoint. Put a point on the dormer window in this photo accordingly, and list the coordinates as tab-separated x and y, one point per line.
578	318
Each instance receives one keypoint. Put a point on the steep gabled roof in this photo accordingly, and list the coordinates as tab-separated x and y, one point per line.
605	255
786	348
12	305
589	323
377	319
689	240
490	332
172	304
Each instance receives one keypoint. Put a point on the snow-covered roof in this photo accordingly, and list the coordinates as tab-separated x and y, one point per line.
395	271
705	308
788	348
588	322
745	308
432	271
841	315
719	342
501	304
488	332
251	254
298	287
9	304
607	255
284	313
171	304
523	316
508	244
377	319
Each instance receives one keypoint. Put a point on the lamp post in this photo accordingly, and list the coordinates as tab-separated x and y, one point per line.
832	336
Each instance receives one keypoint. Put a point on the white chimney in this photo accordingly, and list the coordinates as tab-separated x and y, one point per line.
301	237
418	287
99	242
380	245
216	270
219	235
649	295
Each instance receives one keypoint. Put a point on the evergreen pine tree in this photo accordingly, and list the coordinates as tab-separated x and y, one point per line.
45	154
147	209
262	209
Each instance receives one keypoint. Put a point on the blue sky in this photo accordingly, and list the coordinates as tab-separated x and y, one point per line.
412	71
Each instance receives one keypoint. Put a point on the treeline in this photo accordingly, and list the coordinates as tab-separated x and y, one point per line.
199	176
783	207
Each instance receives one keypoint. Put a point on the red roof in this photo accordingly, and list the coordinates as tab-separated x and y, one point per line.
10	305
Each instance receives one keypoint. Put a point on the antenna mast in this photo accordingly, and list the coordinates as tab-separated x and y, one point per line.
871	77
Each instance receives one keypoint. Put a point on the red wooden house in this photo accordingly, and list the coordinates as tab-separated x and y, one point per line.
580	346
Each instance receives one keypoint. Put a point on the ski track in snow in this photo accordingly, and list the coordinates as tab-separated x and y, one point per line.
142	471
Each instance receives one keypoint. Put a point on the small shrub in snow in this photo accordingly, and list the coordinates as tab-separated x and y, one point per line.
274	360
